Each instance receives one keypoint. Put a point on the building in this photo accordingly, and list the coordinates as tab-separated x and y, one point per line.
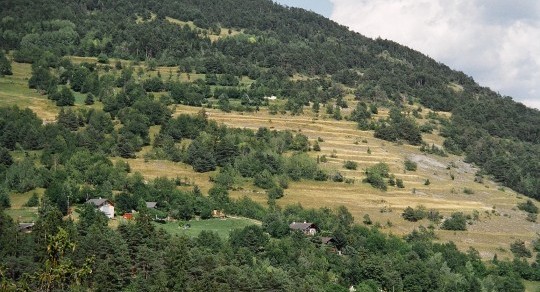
151	205
26	227
104	205
306	227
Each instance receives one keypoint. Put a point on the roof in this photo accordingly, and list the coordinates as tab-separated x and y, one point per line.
151	205
302	226
327	240
99	202
25	226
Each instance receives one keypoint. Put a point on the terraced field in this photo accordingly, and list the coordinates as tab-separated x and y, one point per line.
499	222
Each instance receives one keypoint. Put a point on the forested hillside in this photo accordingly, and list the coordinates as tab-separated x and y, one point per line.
132	81
269	44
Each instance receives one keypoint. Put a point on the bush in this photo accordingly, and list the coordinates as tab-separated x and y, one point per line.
5	202
468	191
414	215
457	221
376	174
103	59
338	177
519	249
275	193
33	201
531	217
264	180
410	165
320	176
399	183
350	165
528	207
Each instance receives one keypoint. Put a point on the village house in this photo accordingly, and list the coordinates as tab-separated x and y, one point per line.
104	205
306	227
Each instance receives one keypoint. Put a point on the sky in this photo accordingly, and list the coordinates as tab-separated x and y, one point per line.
497	42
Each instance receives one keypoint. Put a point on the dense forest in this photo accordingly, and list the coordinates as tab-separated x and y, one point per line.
307	62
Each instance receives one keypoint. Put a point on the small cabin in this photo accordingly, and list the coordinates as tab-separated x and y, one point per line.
307	228
104	205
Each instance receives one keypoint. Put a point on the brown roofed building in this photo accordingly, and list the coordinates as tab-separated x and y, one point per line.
306	227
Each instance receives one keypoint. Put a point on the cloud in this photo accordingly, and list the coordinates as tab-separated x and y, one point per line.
495	41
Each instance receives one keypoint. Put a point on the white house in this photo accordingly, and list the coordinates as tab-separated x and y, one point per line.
104	205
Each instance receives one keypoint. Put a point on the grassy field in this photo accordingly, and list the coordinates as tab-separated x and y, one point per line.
532	286
222	226
14	91
499	222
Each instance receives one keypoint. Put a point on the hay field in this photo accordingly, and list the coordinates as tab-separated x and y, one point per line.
499	222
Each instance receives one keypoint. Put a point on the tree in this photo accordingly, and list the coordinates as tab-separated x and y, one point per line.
89	100
251	237
64	97
59	272
5	201
414	215
519	249
410	165
264	180
5	65
376	175
219	196
456	221
528	207
42	80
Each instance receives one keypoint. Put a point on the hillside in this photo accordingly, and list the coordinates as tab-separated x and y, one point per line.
265	112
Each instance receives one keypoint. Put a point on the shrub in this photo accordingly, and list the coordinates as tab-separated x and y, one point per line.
468	191
5	202
103	59
367	220
414	215
410	165
457	221
33	201
320	176
531	217
399	183
519	249
376	174
264	180
338	177
275	193
528	207
350	165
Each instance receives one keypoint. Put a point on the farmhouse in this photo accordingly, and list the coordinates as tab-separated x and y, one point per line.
104	205
306	227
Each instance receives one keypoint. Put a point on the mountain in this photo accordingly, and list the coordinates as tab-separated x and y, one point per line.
262	36
245	108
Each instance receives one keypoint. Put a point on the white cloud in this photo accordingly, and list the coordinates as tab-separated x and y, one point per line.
495	41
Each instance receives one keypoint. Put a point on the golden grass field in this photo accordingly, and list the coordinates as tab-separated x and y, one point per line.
499	224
